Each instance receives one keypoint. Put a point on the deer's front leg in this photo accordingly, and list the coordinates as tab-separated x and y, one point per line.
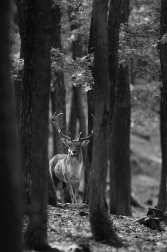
76	189
71	193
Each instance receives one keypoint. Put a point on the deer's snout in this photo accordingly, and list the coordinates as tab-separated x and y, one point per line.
74	152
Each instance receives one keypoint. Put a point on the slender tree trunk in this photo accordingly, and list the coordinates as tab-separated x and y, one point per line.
36	233
77	109
163	134
17	95
58	92
58	97
10	210
113	29
91	111
163	60
18	81
120	183
101	225
72	128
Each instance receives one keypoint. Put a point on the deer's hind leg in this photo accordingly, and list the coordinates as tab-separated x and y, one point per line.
66	193
57	185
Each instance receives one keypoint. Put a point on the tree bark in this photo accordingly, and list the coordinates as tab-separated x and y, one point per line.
91	111
163	135
101	225
27	24
120	182
58	97
58	92
113	30
77	109
36	232
163	60
10	210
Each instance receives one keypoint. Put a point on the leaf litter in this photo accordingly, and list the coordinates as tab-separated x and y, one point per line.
68	228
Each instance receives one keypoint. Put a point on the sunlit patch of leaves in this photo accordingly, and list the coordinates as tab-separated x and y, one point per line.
67	3
79	69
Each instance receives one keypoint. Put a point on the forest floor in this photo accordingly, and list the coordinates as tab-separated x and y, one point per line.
69	227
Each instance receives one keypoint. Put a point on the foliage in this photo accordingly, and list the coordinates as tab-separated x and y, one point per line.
80	69
138	46
140	38
67	3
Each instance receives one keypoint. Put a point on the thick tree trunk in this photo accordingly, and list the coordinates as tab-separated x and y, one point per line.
163	60
10	210
163	134
27	24
36	233
120	183
101	225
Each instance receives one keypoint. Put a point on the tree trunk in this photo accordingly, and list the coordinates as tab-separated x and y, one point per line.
91	111
77	112
58	92
10	210
18	81
27	31
120	183
36	232
163	60
163	134
58	97
113	29
101	225
77	109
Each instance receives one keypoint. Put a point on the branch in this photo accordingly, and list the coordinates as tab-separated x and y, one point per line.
153	42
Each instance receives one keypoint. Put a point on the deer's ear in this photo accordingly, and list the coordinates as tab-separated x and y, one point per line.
84	143
66	142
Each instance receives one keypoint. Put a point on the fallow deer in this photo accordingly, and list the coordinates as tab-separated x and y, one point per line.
68	168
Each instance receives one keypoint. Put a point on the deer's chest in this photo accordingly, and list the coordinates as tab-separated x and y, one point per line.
70	172
74	172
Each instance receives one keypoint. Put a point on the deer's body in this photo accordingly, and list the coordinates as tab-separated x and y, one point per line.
68	169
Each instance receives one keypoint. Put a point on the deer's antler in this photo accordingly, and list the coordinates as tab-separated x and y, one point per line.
88	137
58	124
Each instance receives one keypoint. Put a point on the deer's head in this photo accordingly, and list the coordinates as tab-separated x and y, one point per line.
74	146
